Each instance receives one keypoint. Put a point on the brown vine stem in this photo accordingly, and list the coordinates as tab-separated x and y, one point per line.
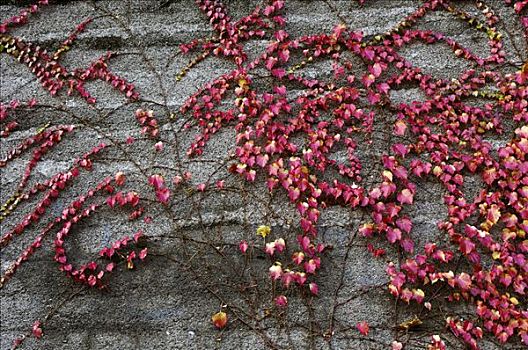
237	311
53	311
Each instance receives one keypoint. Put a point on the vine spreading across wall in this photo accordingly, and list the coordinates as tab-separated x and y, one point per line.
299	139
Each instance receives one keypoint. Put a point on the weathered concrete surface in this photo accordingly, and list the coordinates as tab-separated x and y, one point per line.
167	302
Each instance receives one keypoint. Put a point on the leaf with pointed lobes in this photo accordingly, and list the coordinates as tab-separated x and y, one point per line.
275	271
163	195
280	245
263	231
405	196
298	257
143	254
157	181
363	327
270	248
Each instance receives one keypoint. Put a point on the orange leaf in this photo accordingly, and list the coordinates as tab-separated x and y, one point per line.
219	319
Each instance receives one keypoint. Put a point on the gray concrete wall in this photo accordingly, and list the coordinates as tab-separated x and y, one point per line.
194	268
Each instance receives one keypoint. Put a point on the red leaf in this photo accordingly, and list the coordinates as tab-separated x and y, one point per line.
363	327
219	319
37	330
405	196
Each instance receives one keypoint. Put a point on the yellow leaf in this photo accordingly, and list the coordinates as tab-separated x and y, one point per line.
263	231
412	323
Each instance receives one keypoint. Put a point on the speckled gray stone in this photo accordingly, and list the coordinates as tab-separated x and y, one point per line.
166	303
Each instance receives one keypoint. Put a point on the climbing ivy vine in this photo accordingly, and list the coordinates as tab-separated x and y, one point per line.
300	139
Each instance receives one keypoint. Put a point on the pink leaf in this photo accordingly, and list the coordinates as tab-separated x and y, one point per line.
157	181
314	288
310	266
120	178
280	245
405	196
298	257
281	301
275	271
363	327
37	330
376	69
393	234
163	195
243	246
400	127
278	73
270	248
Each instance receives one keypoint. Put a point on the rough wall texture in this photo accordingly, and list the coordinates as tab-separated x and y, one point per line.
194	266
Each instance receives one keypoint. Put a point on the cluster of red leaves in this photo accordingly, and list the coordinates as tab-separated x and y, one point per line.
5	109
52	75
55	184
336	114
149	124
21	18
231	35
520	7
91	273
441	139
125	249
42	141
162	191
52	188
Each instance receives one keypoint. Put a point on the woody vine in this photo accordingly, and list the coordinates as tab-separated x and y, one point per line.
298	140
